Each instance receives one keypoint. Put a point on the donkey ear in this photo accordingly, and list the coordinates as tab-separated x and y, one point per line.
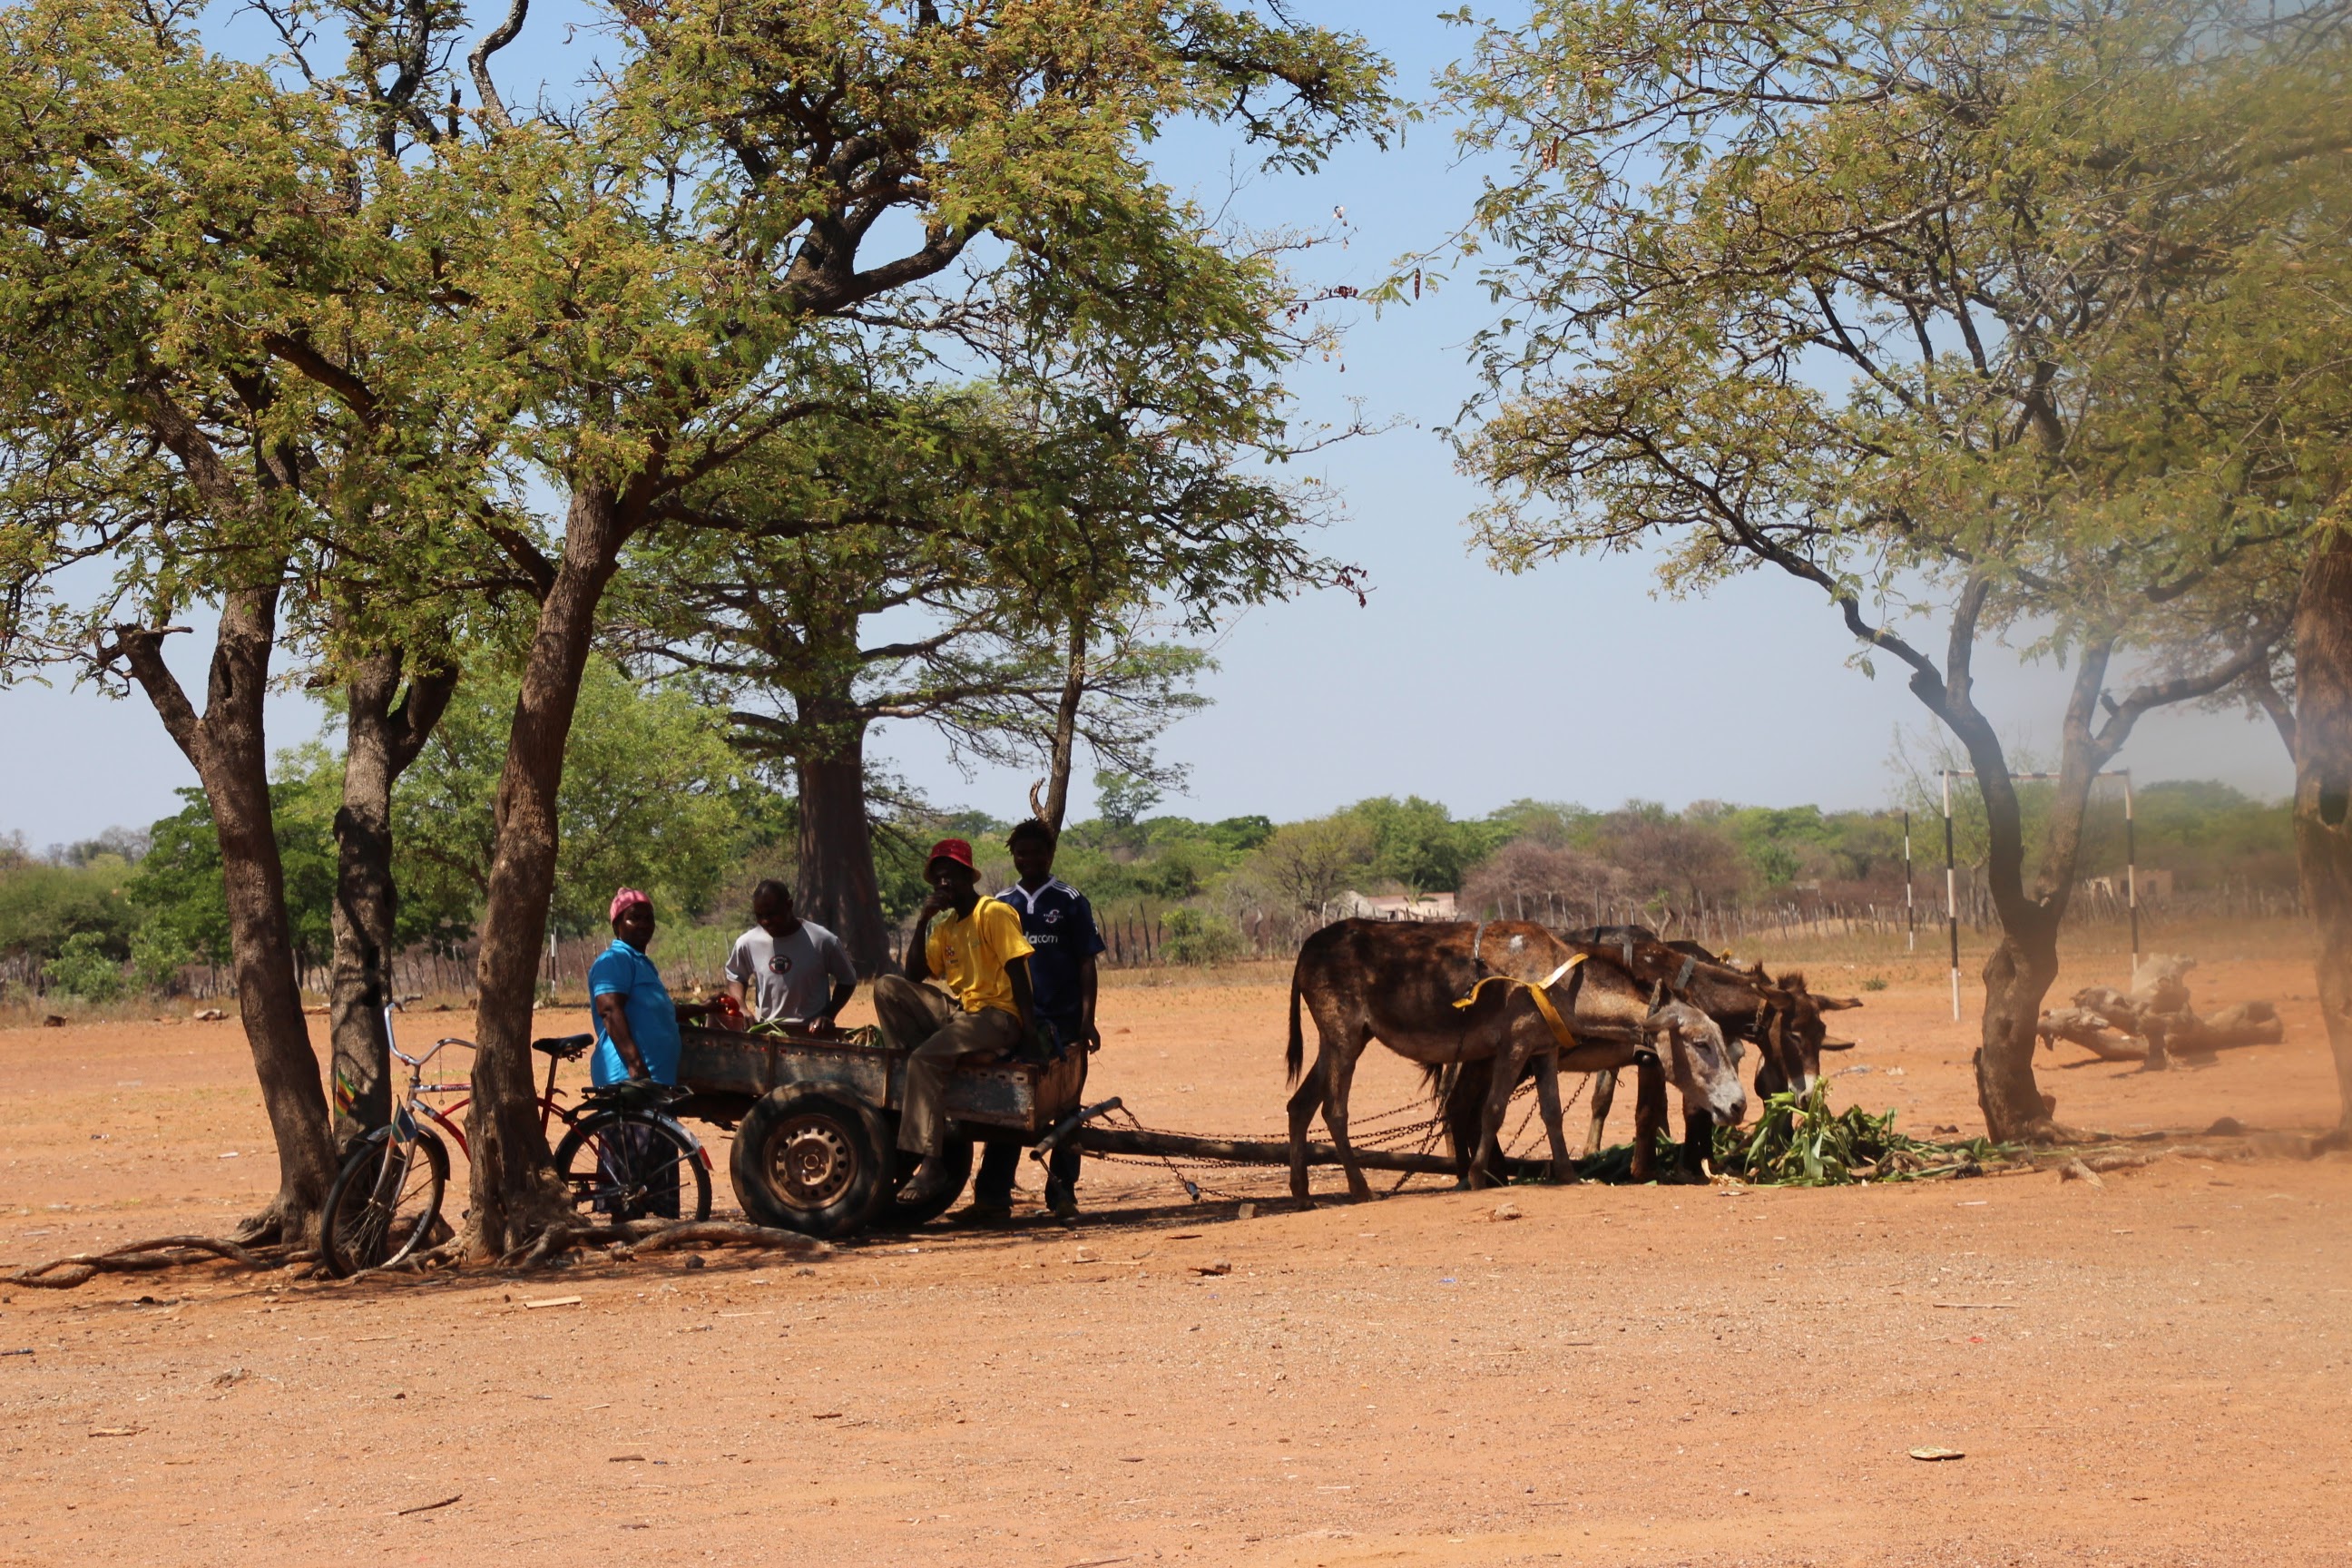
1837	1045
1836	1004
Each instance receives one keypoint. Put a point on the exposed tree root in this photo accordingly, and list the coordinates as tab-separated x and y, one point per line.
140	1257
657	1235
2042	1133
631	1237
266	1228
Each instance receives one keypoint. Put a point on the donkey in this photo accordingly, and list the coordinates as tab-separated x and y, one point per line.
1782	1017
1398	982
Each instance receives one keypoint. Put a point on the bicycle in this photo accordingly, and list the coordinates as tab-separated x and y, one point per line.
621	1156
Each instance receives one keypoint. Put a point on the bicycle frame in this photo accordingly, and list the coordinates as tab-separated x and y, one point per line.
551	1107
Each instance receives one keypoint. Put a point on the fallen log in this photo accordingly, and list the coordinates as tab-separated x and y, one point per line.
2082	1026
2246	1024
139	1258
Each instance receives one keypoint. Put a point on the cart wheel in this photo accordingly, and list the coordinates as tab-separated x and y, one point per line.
813	1162
928	1186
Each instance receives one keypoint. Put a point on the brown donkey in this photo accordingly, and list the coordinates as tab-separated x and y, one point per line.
1397	982
1782	1017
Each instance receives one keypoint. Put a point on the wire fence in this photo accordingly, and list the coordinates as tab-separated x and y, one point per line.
692	958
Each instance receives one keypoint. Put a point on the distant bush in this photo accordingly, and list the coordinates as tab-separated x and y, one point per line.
44	907
83	968
1195	938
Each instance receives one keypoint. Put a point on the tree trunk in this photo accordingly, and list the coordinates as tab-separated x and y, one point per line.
2323	789
839	889
2019	975
1065	728
381	739
514	1190
229	747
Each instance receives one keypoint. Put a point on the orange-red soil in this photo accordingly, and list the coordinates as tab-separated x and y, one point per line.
2157	1372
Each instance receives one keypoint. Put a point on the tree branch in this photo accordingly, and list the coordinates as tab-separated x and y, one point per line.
141	647
494	108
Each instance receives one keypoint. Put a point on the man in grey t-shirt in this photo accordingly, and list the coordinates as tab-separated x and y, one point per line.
786	968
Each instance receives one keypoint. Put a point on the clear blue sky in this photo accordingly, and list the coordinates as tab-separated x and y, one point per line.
1454	682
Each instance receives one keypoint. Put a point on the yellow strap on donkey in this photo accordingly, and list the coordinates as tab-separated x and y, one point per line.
1540	991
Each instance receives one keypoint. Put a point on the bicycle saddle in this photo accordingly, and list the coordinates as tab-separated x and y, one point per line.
564	1047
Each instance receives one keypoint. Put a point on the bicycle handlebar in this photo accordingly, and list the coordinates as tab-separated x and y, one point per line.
418	1062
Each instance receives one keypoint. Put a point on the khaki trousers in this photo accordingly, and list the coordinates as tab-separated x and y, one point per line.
939	1034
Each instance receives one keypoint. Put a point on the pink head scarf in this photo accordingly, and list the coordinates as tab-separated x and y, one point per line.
626	898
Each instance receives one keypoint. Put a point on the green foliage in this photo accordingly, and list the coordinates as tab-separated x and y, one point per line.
1122	799
44	907
653	797
1238	834
2210	834
1309	864
1417	844
84	968
1198	938
182	909
182	905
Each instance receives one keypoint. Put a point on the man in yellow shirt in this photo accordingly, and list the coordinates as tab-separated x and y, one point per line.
979	954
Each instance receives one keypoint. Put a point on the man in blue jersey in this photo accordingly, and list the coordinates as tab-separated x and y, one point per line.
1060	926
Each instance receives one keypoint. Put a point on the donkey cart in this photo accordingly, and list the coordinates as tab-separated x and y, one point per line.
816	1123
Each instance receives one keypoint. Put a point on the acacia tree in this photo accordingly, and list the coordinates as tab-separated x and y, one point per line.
1716	216
192	394
2253	377
782	642
687	258
1026	542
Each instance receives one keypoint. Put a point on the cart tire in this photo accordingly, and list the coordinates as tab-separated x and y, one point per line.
929	1188
818	1164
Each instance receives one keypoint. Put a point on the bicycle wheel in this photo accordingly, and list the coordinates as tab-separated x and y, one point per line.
631	1165
385	1203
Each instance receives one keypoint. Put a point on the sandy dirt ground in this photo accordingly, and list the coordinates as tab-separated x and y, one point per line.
2156	1372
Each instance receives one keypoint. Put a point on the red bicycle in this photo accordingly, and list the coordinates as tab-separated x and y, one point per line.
621	1156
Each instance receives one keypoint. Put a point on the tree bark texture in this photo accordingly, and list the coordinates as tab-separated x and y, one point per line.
2323	789
2022	968
838	886
1065	728
227	746
514	1190
385	730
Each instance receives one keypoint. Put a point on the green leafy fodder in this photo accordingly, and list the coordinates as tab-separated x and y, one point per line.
1800	1142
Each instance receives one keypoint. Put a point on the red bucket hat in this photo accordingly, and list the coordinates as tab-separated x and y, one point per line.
954	849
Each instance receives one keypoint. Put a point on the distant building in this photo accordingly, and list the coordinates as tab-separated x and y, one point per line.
1353	905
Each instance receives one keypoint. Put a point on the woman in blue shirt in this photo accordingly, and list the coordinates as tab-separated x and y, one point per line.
637	1042
637	1022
